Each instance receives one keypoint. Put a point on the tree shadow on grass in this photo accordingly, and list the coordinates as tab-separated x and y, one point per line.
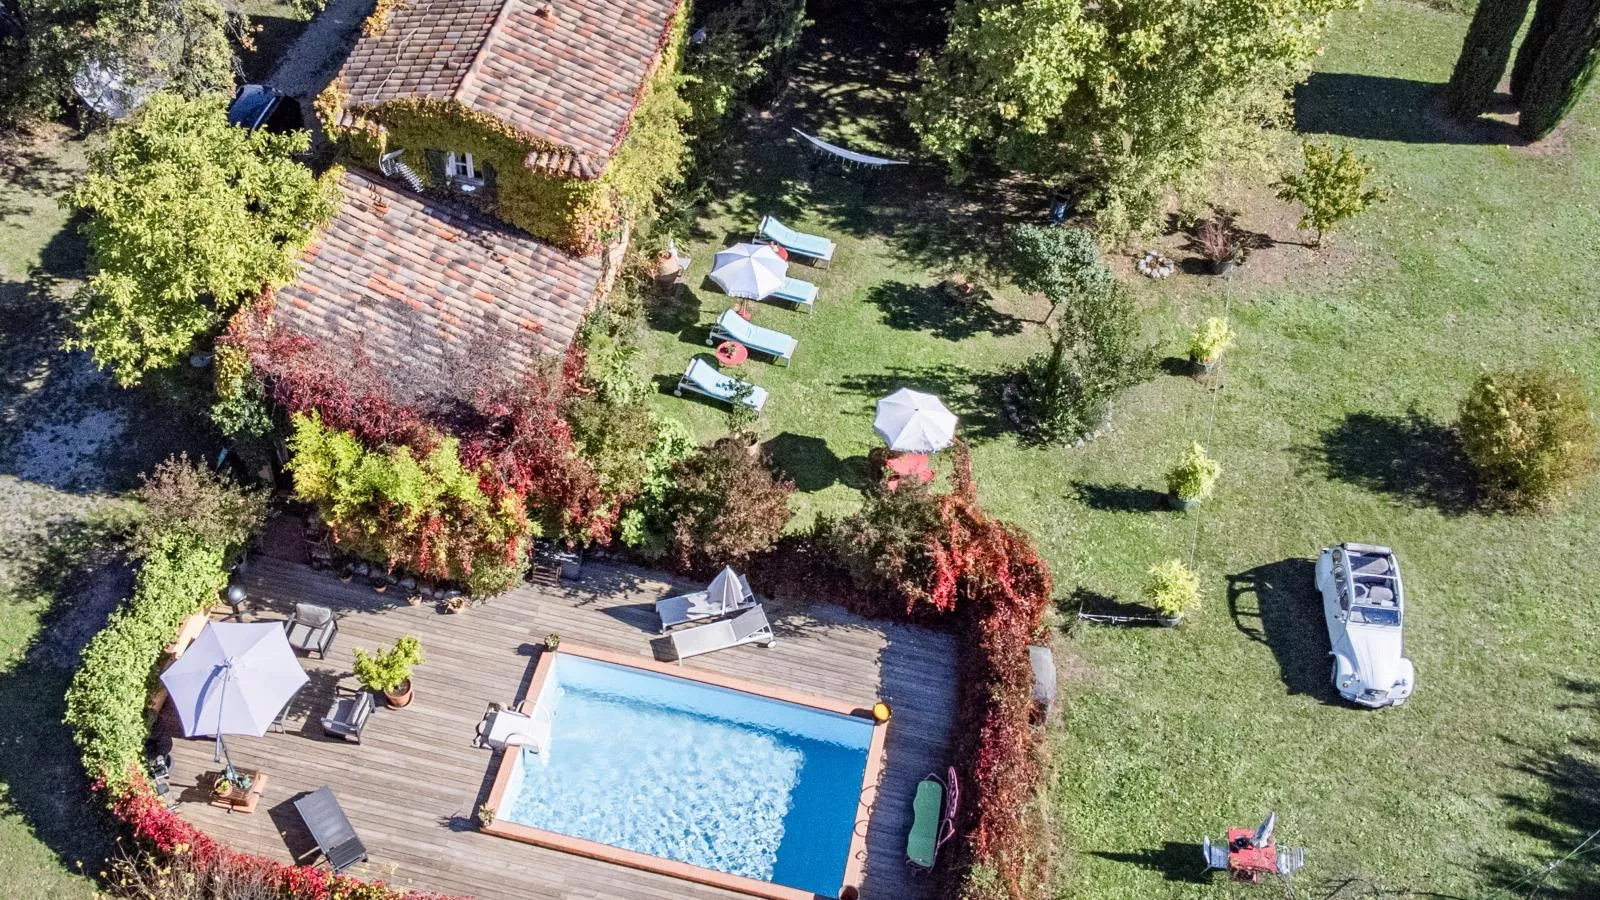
812	464
910	307
76	568
1410	457
1560	814
1175	860
1382	108
1119	497
1277	604
975	397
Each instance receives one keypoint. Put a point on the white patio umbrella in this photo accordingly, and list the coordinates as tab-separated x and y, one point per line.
725	593
234	679
913	422
748	270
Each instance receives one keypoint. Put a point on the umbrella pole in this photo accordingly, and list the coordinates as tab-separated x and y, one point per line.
220	752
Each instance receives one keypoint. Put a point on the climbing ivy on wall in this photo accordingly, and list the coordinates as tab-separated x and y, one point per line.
579	215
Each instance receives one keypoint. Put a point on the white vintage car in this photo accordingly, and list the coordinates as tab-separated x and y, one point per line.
1364	602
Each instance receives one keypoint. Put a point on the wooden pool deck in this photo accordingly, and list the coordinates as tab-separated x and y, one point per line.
412	788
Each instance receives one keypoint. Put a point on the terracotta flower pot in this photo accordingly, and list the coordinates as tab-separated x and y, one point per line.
401	696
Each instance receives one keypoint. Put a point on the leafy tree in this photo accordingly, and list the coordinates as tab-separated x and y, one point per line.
44	44
1332	187
1559	74
188	217
1528	433
1483	57
1061	263
1097	352
746	43
724	505
1128	98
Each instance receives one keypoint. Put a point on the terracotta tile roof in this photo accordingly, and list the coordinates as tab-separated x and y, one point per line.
420	284
564	71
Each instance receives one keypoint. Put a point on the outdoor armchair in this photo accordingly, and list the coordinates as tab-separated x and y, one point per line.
348	714
311	628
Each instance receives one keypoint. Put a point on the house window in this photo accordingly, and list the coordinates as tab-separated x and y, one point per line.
460	166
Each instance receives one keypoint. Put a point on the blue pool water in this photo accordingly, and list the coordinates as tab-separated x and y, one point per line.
691	772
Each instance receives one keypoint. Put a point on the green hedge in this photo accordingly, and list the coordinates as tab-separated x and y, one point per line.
180	576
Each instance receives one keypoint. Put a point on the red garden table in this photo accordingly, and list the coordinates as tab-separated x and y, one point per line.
731	353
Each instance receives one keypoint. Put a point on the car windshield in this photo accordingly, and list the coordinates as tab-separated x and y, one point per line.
1373	616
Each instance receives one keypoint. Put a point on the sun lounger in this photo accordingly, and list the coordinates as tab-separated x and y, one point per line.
701	378
749	627
733	327
800	293
686	608
814	246
932	823
331	829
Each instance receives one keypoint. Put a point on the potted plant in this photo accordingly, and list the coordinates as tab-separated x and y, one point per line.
1219	242
389	671
1192	479
1173	589
223	786
1209	342
485	815
552	641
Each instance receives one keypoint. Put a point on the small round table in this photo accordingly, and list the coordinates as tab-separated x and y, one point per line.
731	353
781	252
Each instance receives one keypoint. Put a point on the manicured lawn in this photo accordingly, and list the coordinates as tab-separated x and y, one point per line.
1330	419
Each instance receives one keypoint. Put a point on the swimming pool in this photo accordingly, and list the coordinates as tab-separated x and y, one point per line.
686	769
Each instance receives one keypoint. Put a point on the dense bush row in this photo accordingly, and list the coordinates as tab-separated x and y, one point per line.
941	557
194	523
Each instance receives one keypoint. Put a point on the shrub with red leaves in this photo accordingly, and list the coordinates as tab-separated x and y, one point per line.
945	558
526	444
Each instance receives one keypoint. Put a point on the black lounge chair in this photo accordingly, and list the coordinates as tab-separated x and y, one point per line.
348	714
311	627
331	829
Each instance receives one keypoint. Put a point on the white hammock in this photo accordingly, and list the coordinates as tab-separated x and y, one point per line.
849	156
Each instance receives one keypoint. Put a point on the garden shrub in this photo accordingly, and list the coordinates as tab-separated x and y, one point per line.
1529	434
178	576
1097	352
672	444
1331	186
1211	340
1172	589
887	546
188	499
942	557
1195	474
724	505
427	513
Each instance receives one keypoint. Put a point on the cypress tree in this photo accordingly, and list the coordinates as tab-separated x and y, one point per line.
1484	55
1545	14
1562	70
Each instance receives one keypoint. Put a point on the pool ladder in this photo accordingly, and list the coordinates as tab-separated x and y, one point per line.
537	737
